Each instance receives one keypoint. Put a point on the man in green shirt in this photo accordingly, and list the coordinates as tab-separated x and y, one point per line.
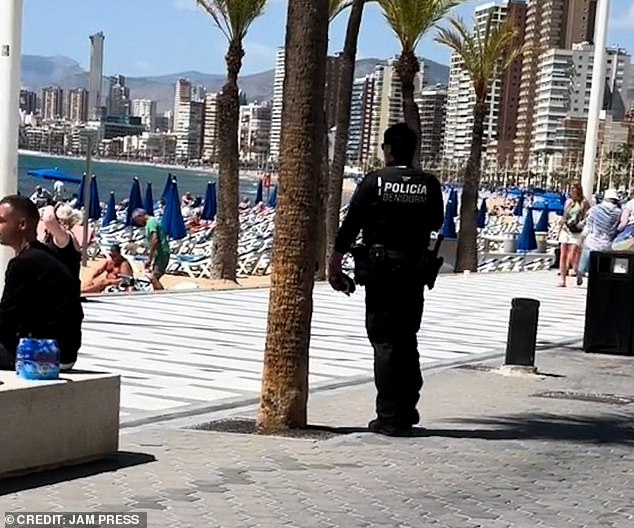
159	252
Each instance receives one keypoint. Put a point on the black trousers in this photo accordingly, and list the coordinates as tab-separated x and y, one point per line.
394	309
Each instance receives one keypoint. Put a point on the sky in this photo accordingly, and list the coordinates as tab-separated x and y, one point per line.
156	37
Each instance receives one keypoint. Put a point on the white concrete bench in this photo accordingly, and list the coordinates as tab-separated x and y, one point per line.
47	424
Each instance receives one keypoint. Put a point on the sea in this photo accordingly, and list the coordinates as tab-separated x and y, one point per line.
118	177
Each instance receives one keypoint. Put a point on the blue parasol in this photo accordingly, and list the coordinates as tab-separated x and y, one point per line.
148	203
259	193
81	192
111	211
94	206
211	206
449	225
482	214
134	202
519	206
527	240
54	174
273	197
172	221
168	183
543	224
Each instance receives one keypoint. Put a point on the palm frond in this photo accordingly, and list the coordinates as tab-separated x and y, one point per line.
233	17
336	7
411	19
484	54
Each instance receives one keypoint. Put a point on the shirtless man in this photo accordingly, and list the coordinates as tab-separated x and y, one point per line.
109	273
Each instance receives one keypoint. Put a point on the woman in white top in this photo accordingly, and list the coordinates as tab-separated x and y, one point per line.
570	234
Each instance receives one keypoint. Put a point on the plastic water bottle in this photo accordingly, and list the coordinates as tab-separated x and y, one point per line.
37	359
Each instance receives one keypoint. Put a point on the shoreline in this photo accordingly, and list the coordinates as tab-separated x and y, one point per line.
250	175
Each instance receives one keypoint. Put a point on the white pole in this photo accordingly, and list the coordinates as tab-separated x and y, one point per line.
596	96
10	52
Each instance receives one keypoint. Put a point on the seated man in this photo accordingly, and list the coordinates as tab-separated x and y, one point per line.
41	298
110	272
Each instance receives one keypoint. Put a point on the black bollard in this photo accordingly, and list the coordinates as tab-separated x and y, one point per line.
522	336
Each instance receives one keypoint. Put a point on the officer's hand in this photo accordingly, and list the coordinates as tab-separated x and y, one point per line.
335	275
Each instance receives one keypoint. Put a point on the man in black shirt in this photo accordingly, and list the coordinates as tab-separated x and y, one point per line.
396	208
41	299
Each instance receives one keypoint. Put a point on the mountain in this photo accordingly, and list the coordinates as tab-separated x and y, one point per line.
39	72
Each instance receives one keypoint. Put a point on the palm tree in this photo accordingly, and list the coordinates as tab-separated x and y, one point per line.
233	18
485	55
410	20
344	101
285	374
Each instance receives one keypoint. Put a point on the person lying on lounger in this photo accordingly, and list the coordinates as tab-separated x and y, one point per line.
110	272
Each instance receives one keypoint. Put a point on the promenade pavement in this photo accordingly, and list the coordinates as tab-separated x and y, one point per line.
552	451
187	352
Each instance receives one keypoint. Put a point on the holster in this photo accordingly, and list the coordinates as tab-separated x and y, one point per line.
431	264
361	264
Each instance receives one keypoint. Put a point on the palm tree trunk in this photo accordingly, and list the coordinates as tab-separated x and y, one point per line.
322	198
344	96
467	257
285	375
225	241
407	67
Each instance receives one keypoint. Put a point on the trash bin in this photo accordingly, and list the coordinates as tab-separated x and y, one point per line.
609	326
542	242
510	244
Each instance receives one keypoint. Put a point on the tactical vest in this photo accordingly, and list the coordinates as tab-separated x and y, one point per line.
399	216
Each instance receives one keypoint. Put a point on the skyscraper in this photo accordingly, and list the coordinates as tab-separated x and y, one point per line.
278	100
360	121
96	76
52	103
118	97
28	101
146	110
210	131
549	24
432	107
78	105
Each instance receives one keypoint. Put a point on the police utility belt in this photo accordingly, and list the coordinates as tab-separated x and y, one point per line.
375	261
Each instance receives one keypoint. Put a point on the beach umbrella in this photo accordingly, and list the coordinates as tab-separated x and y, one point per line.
519	206
449	225
211	206
172	222
542	224
80	192
111	211
94	206
168	183
53	174
273	197
135	201
259	192
148	203
527	240
482	214
452	202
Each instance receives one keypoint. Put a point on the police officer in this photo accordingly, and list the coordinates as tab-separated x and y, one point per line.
396	208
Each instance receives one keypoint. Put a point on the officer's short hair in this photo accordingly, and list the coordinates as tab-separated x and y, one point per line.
402	142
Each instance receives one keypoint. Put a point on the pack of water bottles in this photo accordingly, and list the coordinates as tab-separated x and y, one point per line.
37	359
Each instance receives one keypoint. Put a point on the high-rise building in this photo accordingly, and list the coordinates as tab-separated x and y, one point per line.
78	105
360	121
254	132
182	97
52	103
500	120
189	130
278	100
432	107
118	97
210	134
549	24
198	93
96	76
28	101
146	110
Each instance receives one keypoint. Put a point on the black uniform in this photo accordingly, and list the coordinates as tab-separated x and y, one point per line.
397	207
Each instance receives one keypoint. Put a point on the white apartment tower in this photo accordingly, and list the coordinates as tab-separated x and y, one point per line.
146	110
278	101
210	133
461	97
189	130
254	132
95	76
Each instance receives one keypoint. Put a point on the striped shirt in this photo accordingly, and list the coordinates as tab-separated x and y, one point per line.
601	226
